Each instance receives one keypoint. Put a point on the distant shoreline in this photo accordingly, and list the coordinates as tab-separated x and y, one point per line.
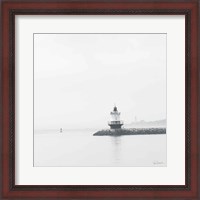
130	131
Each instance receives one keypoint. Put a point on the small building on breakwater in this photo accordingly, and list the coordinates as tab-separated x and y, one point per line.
115	122
116	128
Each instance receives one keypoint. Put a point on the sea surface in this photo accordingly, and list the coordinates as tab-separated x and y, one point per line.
79	148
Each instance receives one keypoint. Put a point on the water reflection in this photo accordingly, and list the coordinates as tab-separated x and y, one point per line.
116	143
82	149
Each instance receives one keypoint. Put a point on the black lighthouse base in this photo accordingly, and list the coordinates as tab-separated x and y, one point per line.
115	125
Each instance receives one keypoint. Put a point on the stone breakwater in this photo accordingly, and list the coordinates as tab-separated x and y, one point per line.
132	131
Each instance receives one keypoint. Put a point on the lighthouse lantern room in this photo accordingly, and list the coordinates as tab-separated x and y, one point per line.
115	122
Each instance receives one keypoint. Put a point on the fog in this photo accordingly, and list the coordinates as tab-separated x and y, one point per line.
79	77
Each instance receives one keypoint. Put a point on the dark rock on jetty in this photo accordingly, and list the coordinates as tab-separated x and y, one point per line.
133	131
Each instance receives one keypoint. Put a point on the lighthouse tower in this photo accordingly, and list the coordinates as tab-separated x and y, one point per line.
115	122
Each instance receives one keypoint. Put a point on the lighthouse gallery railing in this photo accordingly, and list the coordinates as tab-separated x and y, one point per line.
115	122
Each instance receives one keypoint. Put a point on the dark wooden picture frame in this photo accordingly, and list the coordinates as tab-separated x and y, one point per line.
7	105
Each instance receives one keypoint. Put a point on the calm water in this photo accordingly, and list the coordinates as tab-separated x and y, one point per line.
81	148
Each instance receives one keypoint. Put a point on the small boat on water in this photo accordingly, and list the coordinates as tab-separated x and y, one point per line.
61	130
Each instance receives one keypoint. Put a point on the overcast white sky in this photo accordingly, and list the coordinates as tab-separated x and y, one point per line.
79	77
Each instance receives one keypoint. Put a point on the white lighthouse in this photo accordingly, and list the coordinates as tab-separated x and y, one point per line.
115	122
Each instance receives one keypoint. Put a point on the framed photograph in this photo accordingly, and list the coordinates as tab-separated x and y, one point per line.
100	99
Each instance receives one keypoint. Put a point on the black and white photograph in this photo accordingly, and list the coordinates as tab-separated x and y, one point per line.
100	99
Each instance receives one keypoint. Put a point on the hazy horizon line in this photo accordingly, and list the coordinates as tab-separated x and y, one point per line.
97	127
